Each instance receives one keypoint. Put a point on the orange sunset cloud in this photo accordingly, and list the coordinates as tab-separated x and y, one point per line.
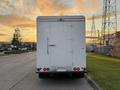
22	13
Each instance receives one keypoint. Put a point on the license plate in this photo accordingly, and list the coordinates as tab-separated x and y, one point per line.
61	70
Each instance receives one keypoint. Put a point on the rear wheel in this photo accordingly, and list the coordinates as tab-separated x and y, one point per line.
78	75
43	76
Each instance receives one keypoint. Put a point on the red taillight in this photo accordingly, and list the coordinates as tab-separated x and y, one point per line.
45	69
76	69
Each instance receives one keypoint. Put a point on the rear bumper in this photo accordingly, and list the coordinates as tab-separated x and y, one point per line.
55	72
61	74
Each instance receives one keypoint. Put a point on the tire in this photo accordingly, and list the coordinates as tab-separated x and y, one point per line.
82	75
78	75
43	76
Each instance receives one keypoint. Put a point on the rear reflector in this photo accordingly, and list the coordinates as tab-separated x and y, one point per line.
76	69
46	69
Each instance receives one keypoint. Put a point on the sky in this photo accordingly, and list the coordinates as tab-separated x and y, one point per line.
22	14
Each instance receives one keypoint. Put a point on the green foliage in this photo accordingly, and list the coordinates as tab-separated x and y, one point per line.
104	70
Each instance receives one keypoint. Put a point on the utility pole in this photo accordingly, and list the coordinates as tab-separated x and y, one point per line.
93	31
109	20
98	35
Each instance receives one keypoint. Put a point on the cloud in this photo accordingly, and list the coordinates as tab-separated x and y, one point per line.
1	34
86	6
66	3
15	20
5	3
5	7
18	4
51	7
22	13
25	25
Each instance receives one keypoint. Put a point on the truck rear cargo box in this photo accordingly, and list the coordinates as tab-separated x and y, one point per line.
61	45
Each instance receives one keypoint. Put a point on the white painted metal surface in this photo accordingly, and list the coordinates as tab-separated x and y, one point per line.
61	43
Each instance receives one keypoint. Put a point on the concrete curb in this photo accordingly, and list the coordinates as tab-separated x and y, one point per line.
92	83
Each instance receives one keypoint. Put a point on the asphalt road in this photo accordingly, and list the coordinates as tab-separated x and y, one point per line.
17	72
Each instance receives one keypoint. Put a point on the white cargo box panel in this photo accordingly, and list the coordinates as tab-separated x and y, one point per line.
61	42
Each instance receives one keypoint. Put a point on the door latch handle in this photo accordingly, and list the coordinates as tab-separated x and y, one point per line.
52	45
47	46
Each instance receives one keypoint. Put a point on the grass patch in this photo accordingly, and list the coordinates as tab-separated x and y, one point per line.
104	70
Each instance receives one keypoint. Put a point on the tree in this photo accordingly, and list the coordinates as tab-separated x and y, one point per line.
16	41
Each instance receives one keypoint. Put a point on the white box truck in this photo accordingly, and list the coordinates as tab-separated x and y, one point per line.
61	47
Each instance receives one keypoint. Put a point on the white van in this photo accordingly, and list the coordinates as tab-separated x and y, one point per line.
61	47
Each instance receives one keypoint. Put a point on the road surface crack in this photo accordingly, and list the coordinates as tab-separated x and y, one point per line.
19	81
